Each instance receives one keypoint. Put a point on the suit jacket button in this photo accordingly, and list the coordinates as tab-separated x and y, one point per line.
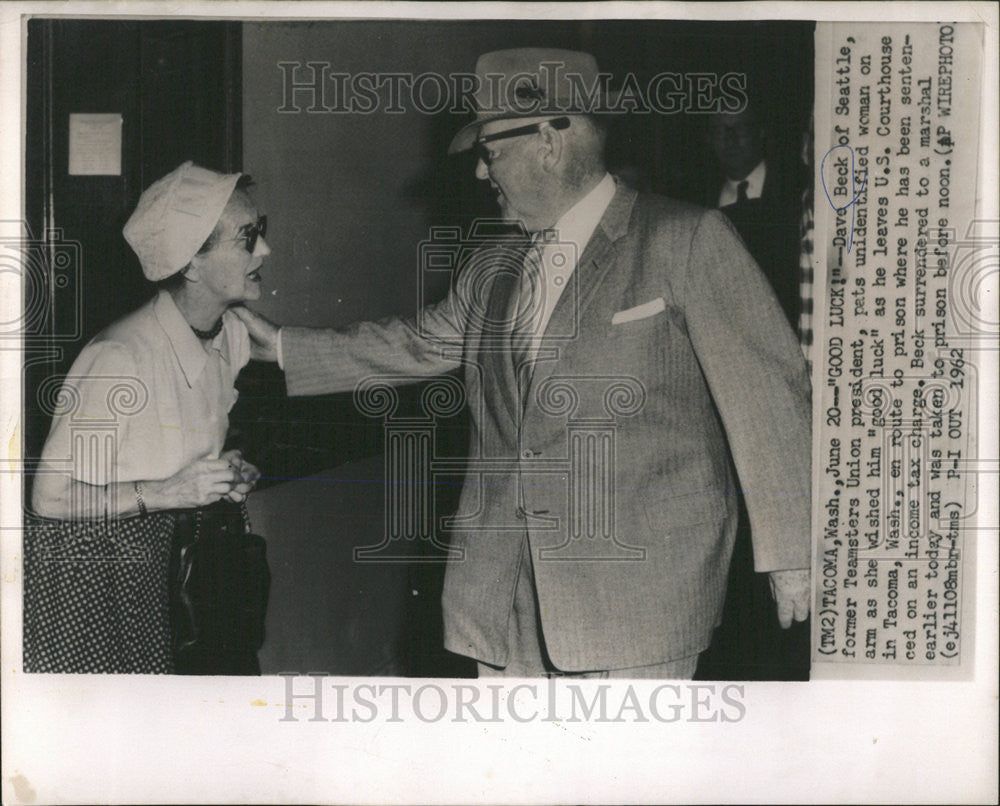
519	514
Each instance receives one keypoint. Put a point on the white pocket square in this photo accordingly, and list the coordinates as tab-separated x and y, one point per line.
654	306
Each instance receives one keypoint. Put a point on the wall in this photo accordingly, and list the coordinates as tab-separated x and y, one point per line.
344	193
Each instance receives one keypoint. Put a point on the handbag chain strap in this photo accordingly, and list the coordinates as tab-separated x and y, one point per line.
243	512
246	516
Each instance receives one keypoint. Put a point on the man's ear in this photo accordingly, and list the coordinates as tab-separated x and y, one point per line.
552	147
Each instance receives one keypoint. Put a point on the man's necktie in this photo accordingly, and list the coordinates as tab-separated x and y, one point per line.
530	301
741	192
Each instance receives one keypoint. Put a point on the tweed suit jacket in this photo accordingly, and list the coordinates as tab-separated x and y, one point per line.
666	362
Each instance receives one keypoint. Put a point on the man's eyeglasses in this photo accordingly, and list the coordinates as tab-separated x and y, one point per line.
483	153
249	233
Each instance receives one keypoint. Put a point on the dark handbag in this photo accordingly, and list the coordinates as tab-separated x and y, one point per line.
219	585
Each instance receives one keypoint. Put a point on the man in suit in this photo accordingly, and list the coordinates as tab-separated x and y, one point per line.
760	193
614	371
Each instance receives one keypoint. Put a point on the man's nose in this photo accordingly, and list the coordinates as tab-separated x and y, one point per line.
482	172
261	249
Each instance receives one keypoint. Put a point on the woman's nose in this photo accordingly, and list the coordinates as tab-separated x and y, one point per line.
482	172
261	249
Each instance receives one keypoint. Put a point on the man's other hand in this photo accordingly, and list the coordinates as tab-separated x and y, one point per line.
791	592
263	334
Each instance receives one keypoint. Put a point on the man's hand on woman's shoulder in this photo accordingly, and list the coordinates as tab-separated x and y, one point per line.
263	334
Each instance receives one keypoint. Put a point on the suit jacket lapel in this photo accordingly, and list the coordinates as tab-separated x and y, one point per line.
494	347
595	262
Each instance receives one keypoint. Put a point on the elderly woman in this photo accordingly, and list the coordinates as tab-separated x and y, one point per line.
136	443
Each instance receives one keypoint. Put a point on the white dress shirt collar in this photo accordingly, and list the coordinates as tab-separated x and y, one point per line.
755	185
561	254
579	222
187	347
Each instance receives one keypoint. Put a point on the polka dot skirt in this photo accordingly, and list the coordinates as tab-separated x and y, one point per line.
95	595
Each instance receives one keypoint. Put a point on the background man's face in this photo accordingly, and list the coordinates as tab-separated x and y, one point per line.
738	142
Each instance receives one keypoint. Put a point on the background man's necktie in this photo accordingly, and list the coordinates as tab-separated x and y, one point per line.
741	192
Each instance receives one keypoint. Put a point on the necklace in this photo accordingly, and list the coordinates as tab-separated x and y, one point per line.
209	334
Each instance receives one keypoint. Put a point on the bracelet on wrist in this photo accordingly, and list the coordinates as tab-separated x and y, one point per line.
138	498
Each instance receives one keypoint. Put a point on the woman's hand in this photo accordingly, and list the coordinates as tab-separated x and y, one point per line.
249	474
201	483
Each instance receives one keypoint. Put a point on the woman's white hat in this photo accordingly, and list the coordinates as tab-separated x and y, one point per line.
175	216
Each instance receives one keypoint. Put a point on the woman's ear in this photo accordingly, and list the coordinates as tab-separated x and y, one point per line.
193	271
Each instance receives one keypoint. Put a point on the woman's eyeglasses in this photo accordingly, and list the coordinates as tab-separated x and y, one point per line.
249	233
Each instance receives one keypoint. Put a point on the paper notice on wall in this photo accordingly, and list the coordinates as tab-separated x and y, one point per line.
899	330
95	145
